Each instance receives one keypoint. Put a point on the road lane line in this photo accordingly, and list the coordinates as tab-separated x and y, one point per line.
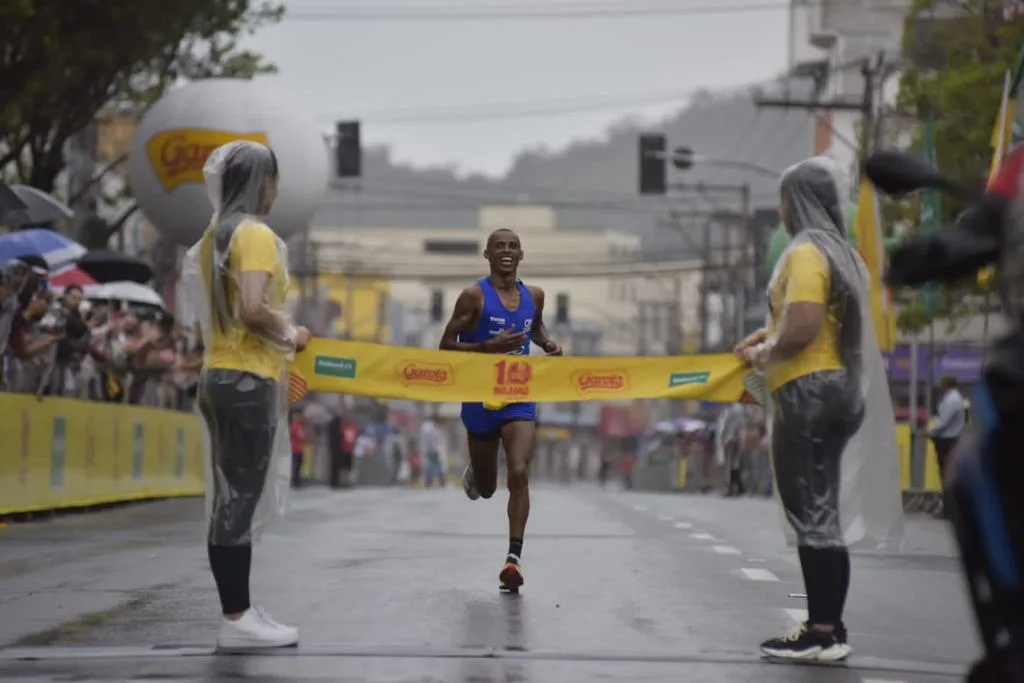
683	525
758	574
702	537
640	508
726	550
880	680
664	518
797	615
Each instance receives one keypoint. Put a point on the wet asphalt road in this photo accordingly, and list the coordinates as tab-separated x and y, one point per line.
401	585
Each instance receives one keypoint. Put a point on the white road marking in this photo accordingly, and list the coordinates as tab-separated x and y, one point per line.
880	680
797	615
664	518
640	508
758	574
702	537
726	550
756	559
683	525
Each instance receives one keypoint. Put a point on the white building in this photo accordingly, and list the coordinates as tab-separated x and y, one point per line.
838	35
615	305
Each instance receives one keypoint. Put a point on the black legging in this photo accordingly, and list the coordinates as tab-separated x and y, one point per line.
240	410
814	417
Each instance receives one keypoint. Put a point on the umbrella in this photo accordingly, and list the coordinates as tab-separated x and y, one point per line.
12	208
53	247
40	208
70	275
112	266
130	292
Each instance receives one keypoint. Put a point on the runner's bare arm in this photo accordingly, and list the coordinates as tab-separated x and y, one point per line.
464	318
539	333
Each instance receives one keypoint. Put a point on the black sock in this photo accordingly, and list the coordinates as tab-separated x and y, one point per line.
827	578
515	547
230	566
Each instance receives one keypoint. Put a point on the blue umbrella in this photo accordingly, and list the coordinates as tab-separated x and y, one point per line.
53	247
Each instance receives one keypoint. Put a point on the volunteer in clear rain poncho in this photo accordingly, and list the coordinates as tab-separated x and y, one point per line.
237	280
833	439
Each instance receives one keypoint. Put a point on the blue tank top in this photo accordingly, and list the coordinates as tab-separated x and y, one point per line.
495	317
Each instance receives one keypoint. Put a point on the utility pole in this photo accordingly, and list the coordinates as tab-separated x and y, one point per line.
873	72
705	338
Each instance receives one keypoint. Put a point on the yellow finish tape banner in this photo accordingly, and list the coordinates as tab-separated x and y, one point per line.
345	367
63	453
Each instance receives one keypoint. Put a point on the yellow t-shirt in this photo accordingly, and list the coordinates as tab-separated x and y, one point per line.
254	248
804	277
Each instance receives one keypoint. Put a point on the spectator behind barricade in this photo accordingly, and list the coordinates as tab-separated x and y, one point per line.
65	317
189	363
31	347
154	361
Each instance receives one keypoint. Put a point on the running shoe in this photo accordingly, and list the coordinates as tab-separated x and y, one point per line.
469	484
804	644
511	576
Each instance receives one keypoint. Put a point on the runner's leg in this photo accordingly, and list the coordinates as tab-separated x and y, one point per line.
518	438
517	435
481	475
483	463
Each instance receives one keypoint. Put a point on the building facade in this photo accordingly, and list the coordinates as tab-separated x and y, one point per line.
609	303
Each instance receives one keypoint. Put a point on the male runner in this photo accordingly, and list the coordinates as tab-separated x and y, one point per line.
499	314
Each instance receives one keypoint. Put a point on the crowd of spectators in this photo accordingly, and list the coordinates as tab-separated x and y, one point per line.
63	345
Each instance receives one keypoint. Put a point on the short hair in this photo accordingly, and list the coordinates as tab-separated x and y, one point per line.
491	237
949	381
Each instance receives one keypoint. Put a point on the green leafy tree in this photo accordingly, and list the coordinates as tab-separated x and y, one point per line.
957	64
957	55
63	60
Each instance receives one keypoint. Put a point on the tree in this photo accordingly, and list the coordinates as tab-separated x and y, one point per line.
957	53
957	62
63	60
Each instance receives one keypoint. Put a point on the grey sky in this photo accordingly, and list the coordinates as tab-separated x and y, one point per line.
386	72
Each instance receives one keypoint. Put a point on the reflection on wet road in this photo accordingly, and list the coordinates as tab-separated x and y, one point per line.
402	586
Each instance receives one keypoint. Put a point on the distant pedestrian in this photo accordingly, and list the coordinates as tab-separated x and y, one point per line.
949	422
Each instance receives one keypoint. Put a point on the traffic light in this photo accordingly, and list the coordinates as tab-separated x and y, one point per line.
652	163
682	158
349	150
436	306
562	309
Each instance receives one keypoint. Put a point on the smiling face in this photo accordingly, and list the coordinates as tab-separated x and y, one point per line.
503	252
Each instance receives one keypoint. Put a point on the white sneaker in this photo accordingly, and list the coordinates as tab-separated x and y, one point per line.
252	632
269	620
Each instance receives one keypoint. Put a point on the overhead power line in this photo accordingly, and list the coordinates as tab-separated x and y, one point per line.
520	109
534	11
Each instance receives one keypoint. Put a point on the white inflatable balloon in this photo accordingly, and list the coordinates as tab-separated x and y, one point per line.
176	136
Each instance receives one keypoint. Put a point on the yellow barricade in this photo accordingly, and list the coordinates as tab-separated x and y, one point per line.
63	453
932	480
446	376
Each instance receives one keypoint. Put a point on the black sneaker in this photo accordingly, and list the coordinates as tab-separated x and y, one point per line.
836	649
807	645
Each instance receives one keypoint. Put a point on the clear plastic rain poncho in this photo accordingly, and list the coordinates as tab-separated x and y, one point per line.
834	453
242	392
